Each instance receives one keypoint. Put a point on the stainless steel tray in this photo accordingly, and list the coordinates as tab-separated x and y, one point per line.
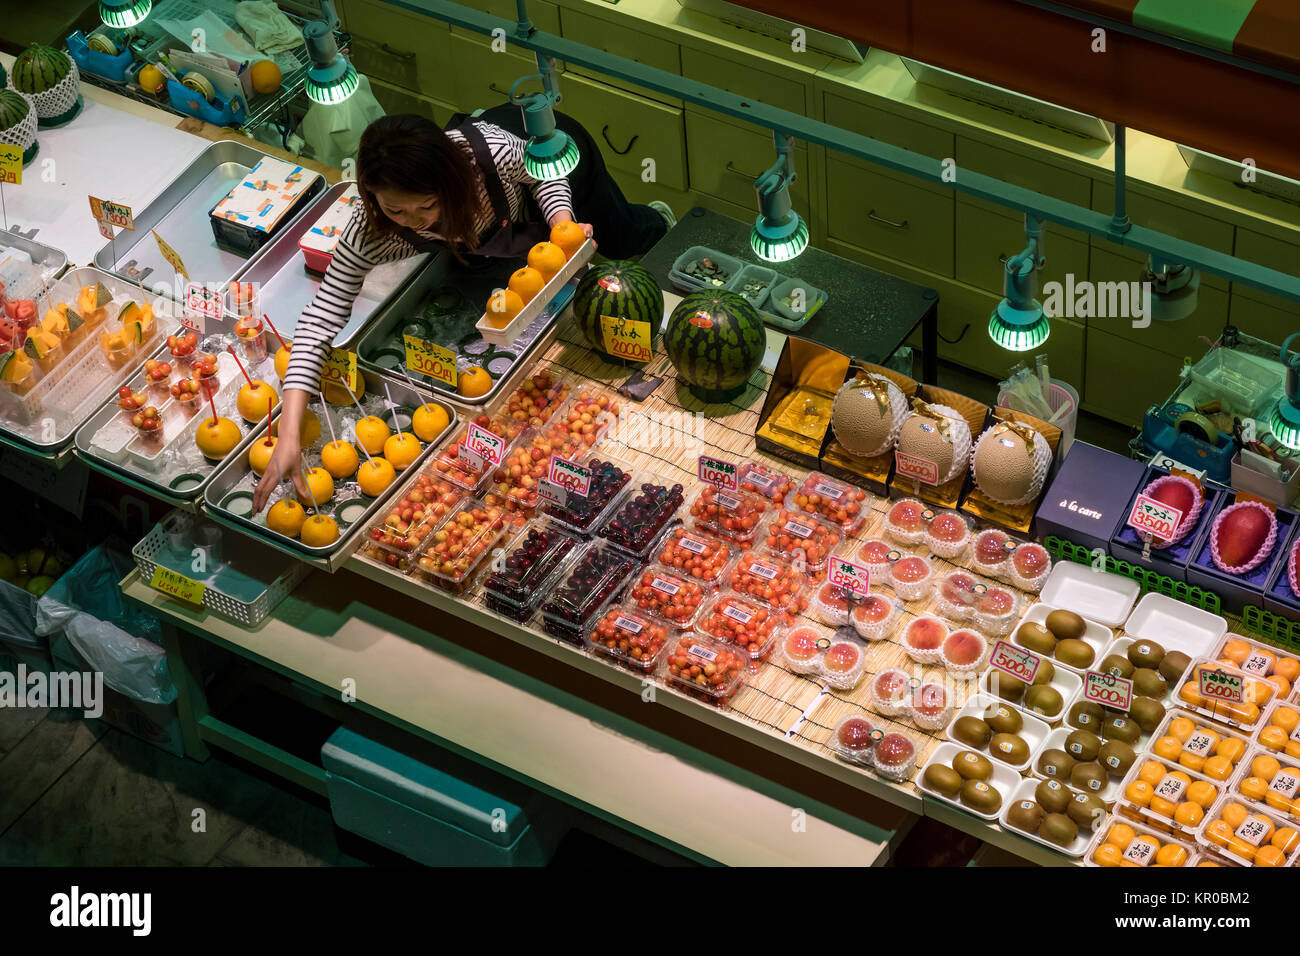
287	287
466	291
49	260
228	496
60	402
180	216
179	473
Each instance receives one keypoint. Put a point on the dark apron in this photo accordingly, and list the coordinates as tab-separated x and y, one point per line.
505	239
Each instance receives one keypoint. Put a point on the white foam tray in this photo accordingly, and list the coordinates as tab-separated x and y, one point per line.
1067	683
1034	731
538	303
1097	636
1004	779
1097	595
1025	791
1056	739
1175	625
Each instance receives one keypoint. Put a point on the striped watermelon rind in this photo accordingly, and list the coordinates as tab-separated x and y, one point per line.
715	340
14	108
621	289
40	68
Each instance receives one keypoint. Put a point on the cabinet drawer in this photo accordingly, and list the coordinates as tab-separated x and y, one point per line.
618	40
985	239
1175	338
629	129
1264	318
1275	254
395	99
895	216
480	78
1023	171
725	159
400	48
544	14
741	78
888	127
1123	379
1165	217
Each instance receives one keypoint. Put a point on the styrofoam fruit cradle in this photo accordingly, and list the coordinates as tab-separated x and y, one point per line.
867	388
61	103
1292	571
1265	549
1042	459
1188	521
958	434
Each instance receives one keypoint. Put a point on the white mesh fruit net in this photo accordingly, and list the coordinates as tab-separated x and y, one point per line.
60	97
24	133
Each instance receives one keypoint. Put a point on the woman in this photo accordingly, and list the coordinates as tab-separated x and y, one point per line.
464	190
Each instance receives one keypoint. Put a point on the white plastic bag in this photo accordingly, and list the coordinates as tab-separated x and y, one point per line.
334	132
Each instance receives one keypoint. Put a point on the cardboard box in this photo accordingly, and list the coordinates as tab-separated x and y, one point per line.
1239	591
1171	562
1088	497
270	195
318	242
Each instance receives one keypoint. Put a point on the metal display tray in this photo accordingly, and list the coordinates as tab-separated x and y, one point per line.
177	474
286	287
179	214
235	477
47	417
47	259
466	291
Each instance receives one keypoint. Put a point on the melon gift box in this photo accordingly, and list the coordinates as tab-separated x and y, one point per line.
796	415
1224	544
1170	560
269	196
318	242
1088	497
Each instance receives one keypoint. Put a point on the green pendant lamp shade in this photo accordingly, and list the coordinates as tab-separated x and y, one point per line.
331	79
1284	420
551	153
124	13
551	157
1018	323
779	233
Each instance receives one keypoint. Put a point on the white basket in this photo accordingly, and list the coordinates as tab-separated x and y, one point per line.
1061	397
506	336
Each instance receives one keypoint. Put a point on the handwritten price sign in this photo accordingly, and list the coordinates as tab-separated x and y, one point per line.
1015	661
177	585
572	477
555	494
1151	517
112	213
341	369
626	338
11	164
1108	690
909	466
172	256
202	303
431	359
488	446
719	473
848	575
1222	686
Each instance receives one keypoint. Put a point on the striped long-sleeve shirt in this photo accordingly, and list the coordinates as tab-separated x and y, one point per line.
359	250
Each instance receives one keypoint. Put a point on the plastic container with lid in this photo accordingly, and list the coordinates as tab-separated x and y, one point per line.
797	537
894	756
452	554
1146	846
844	663
730	619
593	575
760	479
734	515
1269	780
531	560
854	737
628	637
666	596
643	515
1258	693
890	690
528	462
1167	794
1259	659
704	669
701	557
1279	731
845	506
409	522
611	480
769	582
1248	834
1199	744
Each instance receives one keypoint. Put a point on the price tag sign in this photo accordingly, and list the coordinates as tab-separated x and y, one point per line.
11	164
849	575
172	256
105	229
341	369
115	214
202	303
570	476
1141	852
1151	517
177	585
719	473
1108	690
1220	685
431	359
1253	830
555	494
488	446
1200	743
1015	661
627	338
910	466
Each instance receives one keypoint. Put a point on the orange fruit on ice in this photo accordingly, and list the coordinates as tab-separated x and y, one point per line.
473	382
286	517
375	476
547	258
318	531
503	305
339	458
371	433
401	450
259	456
265	76
568	235
526	283
429	421
216	437
320	487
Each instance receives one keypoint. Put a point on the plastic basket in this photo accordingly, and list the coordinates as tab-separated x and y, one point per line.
249	612
1062	399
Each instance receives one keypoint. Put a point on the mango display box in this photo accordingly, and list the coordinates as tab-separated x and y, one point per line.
796	415
873	473
1126	545
1014	517
949	493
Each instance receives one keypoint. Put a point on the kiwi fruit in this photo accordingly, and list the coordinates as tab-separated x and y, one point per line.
1010	748
1173	665
1005	686
1065	625
1052	795
1003	719
1089	777
1121	727
942	780
1026	815
1149	683
1036	638
1144	653
972	766
1085	715
1045	674
980	797
1147	713
1059	829
1044	700
972	731
1117	665
1117	757
1086	809
1083	745
1054	762
1075	653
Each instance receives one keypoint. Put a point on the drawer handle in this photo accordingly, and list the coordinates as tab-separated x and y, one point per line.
1003	258
871	214
604	132
731	168
401	55
496	89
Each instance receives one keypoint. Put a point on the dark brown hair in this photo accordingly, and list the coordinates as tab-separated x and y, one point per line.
409	153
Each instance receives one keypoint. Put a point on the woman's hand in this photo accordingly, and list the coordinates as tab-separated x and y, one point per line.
286	461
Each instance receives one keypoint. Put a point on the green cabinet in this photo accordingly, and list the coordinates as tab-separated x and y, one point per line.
395	99
986	238
725	158
480	78
1122	378
399	48
623	41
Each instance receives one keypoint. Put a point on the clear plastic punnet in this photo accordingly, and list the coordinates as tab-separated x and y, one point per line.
760	479
734	515
519	579
854	737
592	576
667	596
611	480
644	514
410	521
749	625
845	506
692	554
706	670
629	637
452	554
796	537
768	581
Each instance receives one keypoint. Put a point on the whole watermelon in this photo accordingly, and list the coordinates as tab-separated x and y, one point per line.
39	68
715	340
620	290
